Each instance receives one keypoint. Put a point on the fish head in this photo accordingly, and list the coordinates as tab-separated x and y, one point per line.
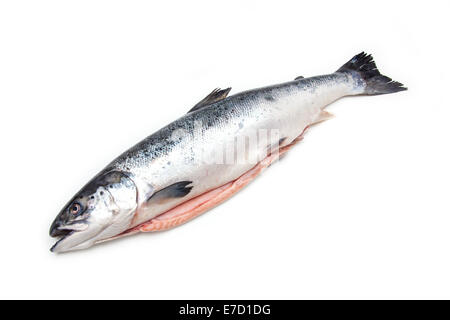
103	208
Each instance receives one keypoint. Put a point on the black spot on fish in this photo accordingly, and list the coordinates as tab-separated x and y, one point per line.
269	98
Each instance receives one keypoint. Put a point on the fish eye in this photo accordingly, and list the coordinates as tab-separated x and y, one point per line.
75	208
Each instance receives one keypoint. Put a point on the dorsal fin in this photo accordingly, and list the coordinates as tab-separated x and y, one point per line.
216	95
299	77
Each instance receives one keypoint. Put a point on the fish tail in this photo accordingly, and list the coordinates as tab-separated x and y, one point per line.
373	81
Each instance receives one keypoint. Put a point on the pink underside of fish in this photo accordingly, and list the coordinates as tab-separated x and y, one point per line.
202	203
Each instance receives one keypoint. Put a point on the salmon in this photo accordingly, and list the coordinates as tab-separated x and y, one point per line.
203	158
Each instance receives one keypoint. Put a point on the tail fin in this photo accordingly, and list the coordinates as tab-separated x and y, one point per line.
375	82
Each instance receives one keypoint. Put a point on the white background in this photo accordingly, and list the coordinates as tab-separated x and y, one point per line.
359	209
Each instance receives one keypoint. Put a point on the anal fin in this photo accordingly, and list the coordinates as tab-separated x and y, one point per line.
323	116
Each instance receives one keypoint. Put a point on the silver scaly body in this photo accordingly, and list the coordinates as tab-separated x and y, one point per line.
161	159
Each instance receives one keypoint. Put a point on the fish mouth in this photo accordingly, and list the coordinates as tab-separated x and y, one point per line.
62	234
57	231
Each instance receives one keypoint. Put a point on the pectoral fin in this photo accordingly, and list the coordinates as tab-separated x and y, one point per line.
176	190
